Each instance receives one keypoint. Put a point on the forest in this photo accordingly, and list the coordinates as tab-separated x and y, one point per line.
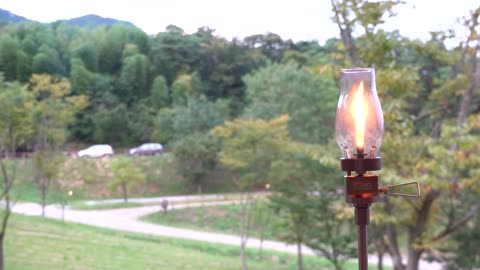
261	105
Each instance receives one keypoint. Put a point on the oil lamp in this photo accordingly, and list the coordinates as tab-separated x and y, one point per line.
359	119
359	133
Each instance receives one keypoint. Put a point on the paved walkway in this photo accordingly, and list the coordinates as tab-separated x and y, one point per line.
126	219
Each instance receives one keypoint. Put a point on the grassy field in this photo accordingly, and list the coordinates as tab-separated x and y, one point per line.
223	218
36	244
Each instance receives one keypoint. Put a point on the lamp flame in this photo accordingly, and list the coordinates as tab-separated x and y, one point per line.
359	115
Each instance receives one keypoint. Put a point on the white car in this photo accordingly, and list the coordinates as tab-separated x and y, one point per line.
147	149
97	150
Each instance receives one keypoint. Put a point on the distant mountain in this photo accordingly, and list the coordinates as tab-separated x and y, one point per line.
84	21
96	21
7	16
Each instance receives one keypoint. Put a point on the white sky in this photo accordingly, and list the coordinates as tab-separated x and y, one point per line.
298	20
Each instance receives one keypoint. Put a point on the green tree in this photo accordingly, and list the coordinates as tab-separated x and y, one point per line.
249	147
270	44
199	116
172	53
134	78
88	53
54	110
310	100
221	66
80	78
181	89
443	98
47	168
163	126
16	117
305	197
111	125
13	60
16	127
140	122
160	93
47	60
126	175
196	156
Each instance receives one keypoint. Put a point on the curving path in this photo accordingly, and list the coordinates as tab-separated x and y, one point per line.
126	219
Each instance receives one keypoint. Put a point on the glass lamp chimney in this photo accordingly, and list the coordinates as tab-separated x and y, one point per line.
359	118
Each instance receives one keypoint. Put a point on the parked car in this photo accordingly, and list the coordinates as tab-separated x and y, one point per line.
97	150
147	149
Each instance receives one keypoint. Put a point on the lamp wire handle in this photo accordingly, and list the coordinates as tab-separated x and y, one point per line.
387	192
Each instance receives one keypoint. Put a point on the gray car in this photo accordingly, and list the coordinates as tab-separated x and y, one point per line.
147	149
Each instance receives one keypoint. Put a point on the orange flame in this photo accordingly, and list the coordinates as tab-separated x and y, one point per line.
359	115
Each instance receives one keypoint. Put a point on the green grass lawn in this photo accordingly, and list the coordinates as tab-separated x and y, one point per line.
222	218
36	244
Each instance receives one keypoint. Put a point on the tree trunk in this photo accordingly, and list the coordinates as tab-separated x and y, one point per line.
243	256
124	191
474	77
244	229
43	192
413	258
344	25
260	255
299	255
336	264
393	246
416	231
2	261
380	247
380	261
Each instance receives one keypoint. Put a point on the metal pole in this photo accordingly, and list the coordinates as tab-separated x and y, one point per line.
362	247
362	216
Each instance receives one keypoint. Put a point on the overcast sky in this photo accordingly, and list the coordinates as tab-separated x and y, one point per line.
298	19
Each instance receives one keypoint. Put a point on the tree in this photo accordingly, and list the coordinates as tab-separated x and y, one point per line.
309	100
196	156
163	126
47	60
262	217
80	78
140	122
173	53
305	197
446	75
16	127
111	125
467	239
349	14
198	116
126	175
289	201
134	78
54	109
181	89
249	147
270	44
160	94
88	53
13	60
221	66
47	167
